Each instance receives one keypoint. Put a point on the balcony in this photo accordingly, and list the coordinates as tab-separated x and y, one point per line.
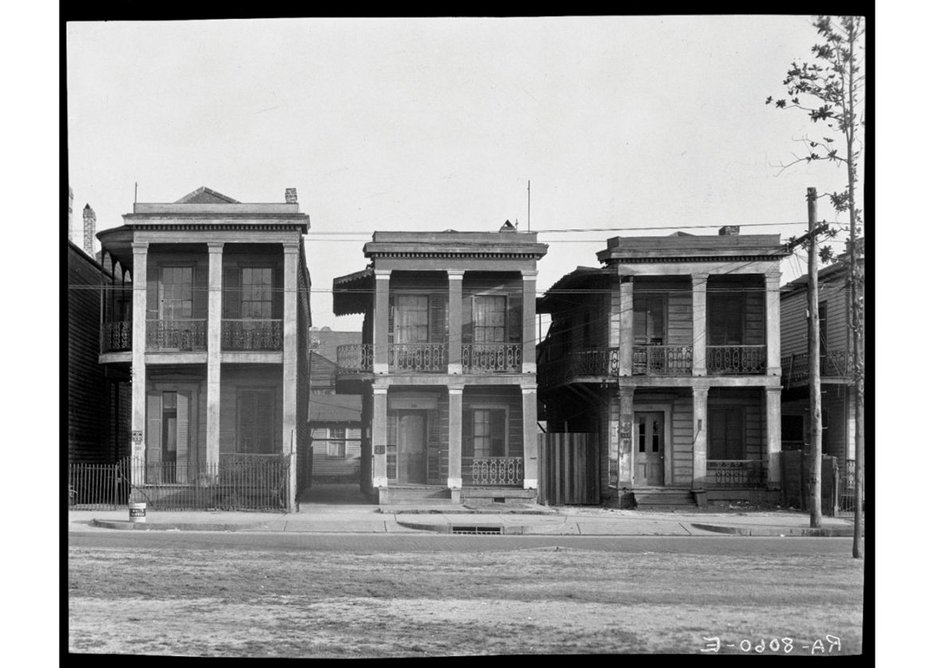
116	337
592	362
419	357
356	358
492	471
176	335
736	473
249	335
492	357
836	364
736	360
662	360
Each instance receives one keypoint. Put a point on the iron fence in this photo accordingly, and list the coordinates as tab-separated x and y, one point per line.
737	359
176	335
846	486
116	336
727	473
249	334
492	357
236	482
500	471
662	360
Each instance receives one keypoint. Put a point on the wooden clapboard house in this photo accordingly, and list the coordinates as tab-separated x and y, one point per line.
446	366
670	354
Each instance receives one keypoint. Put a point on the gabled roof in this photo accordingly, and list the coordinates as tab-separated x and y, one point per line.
581	277
206	196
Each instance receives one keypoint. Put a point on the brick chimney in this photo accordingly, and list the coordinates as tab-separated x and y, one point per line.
89	221
291	197
729	231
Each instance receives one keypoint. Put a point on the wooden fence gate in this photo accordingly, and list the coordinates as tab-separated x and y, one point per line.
568	469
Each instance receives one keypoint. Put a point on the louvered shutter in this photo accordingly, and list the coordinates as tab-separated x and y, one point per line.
152	292
182	437
230	301
515	318
438	318
200	292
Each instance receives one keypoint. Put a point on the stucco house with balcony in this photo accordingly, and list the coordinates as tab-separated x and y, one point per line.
213	331
670	353
446	366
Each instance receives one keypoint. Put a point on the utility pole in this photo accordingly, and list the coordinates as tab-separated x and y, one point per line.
815	380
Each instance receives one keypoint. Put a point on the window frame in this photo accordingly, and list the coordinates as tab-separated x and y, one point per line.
161	284
468	418
266	301
739	412
476	322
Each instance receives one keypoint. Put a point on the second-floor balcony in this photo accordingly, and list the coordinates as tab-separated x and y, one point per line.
659	360
736	360
832	364
251	334
477	358
492	357
116	336
418	357
180	335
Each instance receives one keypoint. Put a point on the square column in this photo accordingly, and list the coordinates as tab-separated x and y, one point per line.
699	325
215	293
626	345
699	437
530	445
772	321
625	445
455	442
138	365
529	322
381	321
455	326
773	436
290	362
379	437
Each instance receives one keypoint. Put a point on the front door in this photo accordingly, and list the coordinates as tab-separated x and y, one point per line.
648	449
411	447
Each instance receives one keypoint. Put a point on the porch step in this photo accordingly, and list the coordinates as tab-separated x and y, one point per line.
414	493
506	495
663	498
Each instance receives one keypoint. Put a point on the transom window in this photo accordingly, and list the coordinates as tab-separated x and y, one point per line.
490	318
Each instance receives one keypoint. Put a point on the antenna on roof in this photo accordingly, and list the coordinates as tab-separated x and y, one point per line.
134	192
528	205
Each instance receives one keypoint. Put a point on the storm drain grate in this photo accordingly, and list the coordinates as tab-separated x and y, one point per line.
476	530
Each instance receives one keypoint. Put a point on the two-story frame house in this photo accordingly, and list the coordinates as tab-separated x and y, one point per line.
835	362
670	352
447	366
213	329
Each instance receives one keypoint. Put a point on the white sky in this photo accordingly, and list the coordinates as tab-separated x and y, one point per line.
432	124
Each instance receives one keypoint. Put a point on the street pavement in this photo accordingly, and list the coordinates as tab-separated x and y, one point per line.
341	509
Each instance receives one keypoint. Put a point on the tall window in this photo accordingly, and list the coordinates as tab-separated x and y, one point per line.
488	432
335	446
726	320
490	318
726	433
175	293
649	319
255	421
411	319
257	293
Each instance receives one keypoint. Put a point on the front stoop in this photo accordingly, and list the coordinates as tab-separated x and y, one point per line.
409	494
476	496
664	498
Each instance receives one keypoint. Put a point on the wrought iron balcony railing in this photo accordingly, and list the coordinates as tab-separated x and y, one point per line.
742	360
492	357
835	363
662	361
592	362
176	335
728	473
493	471
116	336
251	334
356	358
420	357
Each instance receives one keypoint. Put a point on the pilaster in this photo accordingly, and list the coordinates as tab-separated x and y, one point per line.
529	322
699	339
379	437
624	463
772	321
381	321
138	364
773	413
699	437
455	440
455	325
530	446
215	293
626	346
290	363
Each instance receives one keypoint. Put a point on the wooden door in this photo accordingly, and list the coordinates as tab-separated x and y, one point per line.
648	449
411	447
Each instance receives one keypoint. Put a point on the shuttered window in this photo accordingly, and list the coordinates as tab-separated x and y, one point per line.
726	320
726	433
175	293
490	318
649	319
485	432
419	318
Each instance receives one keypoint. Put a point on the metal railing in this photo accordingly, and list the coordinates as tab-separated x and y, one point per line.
116	336
736	359
595	362
494	471
662	360
846	485
356	357
247	334
235	482
492	357
425	357
176	335
836	363
723	473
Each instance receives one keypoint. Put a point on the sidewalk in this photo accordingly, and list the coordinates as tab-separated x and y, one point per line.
530	519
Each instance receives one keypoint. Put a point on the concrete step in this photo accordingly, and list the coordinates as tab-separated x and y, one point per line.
664	498
412	493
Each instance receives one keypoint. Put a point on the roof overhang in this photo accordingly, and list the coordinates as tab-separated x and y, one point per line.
353	293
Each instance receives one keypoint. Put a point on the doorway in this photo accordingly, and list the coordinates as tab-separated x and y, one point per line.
649	449
411	446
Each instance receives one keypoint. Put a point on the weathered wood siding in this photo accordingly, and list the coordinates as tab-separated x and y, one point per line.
678	294
682	435
325	466
794	326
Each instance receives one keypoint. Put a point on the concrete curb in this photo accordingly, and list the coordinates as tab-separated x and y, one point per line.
827	532
127	525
